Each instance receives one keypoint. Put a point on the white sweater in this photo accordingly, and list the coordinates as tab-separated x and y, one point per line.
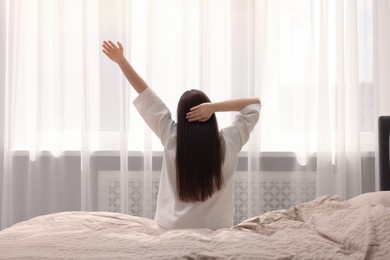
217	211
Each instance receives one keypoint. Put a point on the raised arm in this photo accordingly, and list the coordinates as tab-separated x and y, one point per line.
204	111
115	53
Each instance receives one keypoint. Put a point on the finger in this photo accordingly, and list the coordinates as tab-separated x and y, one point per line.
195	118
194	113
106	48
108	55
192	116
120	45
105	43
112	44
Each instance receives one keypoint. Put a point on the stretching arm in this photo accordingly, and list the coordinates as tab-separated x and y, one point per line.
115	53
204	111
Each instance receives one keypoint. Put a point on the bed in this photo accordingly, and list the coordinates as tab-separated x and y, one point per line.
325	228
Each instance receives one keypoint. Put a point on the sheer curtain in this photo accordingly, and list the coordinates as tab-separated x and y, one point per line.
322	86
71	139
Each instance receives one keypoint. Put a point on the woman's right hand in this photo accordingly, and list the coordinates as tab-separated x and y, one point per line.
115	53
200	113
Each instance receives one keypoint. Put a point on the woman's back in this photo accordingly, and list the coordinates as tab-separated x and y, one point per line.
218	210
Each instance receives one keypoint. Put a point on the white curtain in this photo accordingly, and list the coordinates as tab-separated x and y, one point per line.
68	125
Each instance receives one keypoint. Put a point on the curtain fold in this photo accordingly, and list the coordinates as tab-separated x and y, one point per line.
72	139
124	113
3	28
339	161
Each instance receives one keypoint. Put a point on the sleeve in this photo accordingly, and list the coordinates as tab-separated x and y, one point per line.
238	133
156	115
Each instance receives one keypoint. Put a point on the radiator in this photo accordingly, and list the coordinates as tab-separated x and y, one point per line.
253	195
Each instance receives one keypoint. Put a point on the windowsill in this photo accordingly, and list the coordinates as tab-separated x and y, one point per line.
266	162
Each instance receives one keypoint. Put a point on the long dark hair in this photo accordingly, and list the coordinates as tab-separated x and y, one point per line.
199	152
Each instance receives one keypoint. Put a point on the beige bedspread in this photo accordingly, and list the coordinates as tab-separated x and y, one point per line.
325	228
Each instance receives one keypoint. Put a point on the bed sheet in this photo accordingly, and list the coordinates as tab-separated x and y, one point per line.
325	228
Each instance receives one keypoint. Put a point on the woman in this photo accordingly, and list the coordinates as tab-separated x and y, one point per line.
196	185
